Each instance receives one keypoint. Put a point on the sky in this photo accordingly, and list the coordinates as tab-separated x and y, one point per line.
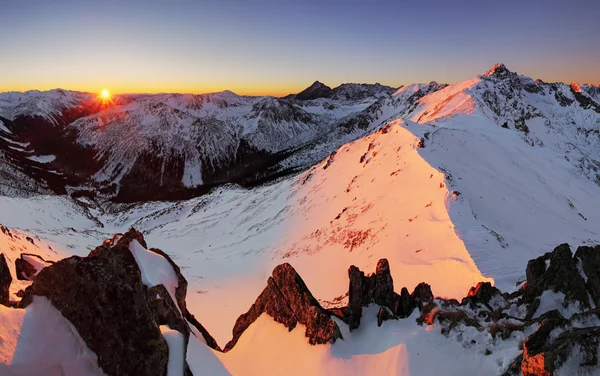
270	47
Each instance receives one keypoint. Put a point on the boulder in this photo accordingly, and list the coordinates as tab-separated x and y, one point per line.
289	302
5	280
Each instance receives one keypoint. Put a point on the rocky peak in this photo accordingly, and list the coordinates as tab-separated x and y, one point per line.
499	70
314	91
289	302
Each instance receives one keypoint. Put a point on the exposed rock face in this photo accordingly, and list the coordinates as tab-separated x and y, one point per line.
561	275
553	343
118	323
483	292
287	299
404	304
422	294
5	280
117	316
590	262
355	294
376	288
25	270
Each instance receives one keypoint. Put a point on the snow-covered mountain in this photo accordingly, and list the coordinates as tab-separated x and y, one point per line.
172	144
452	184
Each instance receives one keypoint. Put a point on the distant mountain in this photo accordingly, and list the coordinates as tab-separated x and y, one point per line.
343	92
170	146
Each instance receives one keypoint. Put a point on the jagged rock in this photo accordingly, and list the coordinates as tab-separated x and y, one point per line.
287	299
102	295
422	294
381	289
355	296
384	314
5	280
536	267
404	303
376	288
26	270
533	348
483	292
550	357
561	275
590	263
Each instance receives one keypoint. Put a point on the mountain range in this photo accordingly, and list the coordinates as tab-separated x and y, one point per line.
271	209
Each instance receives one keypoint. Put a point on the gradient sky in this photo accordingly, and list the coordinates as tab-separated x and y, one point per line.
277	47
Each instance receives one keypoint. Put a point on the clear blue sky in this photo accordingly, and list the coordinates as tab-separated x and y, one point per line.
276	47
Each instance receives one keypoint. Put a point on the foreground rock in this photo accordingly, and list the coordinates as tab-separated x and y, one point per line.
115	312
287	299
5	280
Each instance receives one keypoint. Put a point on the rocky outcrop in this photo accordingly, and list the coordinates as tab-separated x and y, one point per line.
115	313
104	298
378	288
561	275
289	302
28	265
5	280
589	259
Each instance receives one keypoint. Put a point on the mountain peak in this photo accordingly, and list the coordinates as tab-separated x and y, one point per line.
314	91
498	70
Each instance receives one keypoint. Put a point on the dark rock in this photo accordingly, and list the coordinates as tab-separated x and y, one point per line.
404	303
287	299
534	346
5	280
483	292
561	275
547	358
314	91
355	296
590	262
376	288
536	267
422	294
384	314
379	286
104	298
25	270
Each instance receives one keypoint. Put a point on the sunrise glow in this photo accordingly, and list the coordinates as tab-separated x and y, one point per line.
105	94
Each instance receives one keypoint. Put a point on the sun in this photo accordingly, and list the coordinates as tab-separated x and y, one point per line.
105	94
